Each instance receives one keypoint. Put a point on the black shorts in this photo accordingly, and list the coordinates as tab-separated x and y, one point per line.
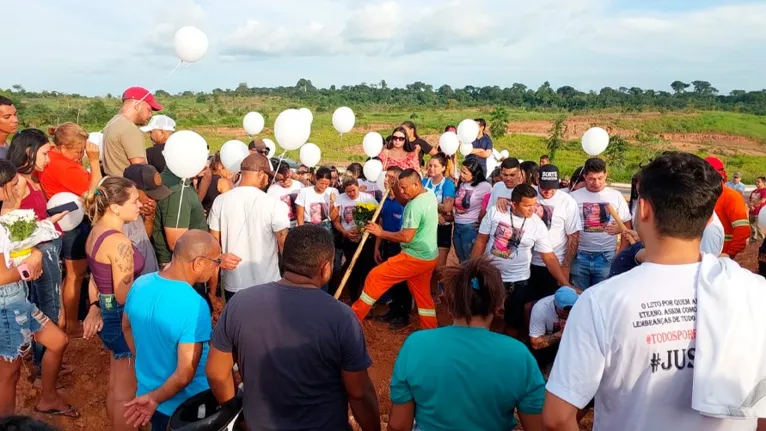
444	236
73	242
542	282
516	298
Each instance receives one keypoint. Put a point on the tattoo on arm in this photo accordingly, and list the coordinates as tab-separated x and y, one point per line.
573	242
124	257
546	340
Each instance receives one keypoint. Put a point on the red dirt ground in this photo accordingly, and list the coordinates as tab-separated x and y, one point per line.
86	387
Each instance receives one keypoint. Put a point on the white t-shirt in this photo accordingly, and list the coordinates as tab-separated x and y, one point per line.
499	190
287	195
370	186
247	219
511	240
469	199
630	341
5	246
595	217
713	237
561	217
316	207
346	208
544	320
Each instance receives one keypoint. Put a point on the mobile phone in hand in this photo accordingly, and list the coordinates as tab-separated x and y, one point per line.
71	206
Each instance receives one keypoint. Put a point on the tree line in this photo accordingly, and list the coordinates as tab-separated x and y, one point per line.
695	95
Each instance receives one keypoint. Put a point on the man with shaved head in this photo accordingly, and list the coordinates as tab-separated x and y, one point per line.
419	256
167	325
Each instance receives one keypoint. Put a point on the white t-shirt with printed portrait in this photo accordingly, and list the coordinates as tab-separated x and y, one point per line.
346	207
468	201
511	241
288	196
499	190
630	342
594	214
544	320
316	206
561	217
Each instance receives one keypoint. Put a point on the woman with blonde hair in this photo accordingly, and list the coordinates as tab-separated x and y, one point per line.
114	263
65	173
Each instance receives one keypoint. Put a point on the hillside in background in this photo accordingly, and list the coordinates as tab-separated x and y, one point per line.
641	122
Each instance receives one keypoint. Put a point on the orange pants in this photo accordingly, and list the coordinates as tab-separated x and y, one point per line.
402	267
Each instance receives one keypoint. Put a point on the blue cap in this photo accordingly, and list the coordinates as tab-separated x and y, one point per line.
565	297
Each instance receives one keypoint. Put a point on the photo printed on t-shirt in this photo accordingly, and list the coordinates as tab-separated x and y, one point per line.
506	241
545	212
595	216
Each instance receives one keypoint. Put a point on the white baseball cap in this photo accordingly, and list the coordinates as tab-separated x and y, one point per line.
160	122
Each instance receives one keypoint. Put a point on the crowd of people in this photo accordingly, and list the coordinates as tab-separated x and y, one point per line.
556	274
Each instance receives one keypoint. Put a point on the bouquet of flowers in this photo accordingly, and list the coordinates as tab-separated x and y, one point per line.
25	232
363	213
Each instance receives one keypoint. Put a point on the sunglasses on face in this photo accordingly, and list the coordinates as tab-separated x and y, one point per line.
217	261
398	138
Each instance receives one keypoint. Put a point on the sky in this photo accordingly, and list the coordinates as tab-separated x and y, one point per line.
95	47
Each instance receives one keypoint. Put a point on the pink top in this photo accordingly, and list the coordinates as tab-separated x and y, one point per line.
409	162
485	202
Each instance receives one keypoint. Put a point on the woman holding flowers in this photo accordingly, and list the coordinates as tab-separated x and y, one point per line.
20	320
29	154
351	211
114	263
65	173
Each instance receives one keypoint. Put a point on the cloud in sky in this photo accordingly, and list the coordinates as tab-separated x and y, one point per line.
94	47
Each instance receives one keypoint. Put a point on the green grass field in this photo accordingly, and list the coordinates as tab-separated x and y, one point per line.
219	119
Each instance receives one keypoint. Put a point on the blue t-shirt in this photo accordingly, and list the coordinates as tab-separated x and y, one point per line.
163	314
445	189
483	143
625	260
391	215
463	378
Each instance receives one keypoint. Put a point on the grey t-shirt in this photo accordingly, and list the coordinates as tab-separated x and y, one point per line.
137	234
292	345
4	152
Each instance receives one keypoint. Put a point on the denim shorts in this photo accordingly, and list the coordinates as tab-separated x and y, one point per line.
19	319
73	242
111	334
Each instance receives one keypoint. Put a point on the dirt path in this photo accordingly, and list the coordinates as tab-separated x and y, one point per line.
86	388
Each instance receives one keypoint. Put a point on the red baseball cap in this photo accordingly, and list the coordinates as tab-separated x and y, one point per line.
715	162
140	93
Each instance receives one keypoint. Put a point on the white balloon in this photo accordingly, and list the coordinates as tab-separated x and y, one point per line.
310	155
74	218
291	130
372	170
307	115
505	154
185	153
372	144
232	154
595	141
762	218
271	146
190	43
343	119
467	131
253	123
98	139
466	149
449	143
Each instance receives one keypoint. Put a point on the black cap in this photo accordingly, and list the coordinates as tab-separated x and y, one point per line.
549	177
148	180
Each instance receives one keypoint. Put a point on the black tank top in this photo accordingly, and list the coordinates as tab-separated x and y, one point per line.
212	193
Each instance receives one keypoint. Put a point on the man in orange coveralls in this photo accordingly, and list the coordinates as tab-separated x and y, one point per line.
732	211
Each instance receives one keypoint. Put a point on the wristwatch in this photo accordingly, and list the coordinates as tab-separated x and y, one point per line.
96	304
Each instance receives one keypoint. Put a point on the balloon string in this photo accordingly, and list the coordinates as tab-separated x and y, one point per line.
183	185
281	157
147	94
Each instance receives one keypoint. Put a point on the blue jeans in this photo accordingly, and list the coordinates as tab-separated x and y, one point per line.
463	239
111	334
19	320
590	268
45	292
